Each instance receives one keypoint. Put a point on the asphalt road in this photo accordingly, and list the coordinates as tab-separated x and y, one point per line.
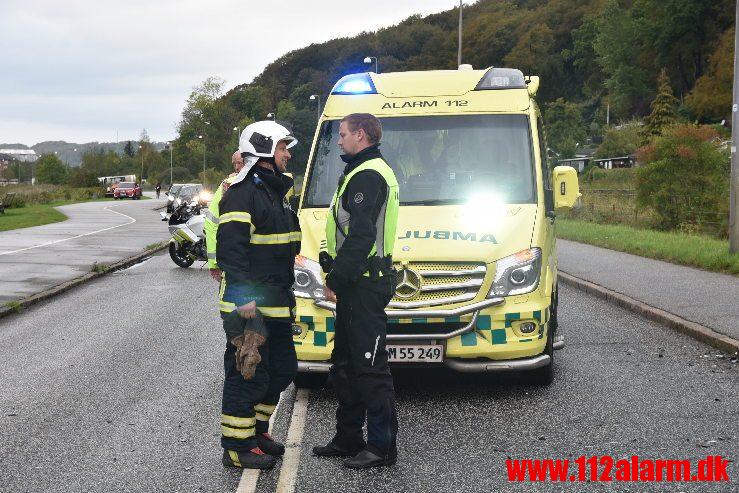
707	298
37	258
115	386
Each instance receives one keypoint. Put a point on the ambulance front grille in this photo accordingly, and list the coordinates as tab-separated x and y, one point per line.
425	284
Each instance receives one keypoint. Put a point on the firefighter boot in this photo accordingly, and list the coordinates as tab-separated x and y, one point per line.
253	459
269	446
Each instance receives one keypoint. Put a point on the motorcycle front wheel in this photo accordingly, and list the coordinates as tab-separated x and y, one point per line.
179	256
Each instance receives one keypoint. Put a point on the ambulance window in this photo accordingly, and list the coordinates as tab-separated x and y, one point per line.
440	159
546	170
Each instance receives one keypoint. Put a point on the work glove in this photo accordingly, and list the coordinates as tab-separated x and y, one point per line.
247	334
247	353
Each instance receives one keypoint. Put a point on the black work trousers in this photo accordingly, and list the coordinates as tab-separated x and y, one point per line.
360	372
248	404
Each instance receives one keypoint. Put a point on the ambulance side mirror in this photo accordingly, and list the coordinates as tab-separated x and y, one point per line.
566	187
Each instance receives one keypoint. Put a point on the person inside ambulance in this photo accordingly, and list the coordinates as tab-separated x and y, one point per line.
212	213
258	238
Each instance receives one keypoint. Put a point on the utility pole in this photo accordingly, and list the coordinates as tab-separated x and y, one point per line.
317	99
733	199
459	41
170	164
141	178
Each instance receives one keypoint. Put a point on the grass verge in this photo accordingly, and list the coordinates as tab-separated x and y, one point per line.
692	250
99	267
14	306
40	214
32	215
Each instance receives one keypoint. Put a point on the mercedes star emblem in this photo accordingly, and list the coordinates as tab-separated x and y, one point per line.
408	285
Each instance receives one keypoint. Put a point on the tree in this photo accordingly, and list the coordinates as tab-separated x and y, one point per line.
678	34
618	45
663	107
623	140
711	98
565	127
201	100
50	169
685	177
80	177
128	149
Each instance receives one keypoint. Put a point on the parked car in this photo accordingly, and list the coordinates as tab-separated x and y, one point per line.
127	189
172	195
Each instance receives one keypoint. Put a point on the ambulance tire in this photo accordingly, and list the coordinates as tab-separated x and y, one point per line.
545	375
310	380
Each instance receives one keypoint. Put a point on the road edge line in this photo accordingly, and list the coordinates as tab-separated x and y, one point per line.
249	477
291	460
29	301
693	329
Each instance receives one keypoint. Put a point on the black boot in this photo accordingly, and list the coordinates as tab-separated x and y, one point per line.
335	450
366	459
269	446
253	459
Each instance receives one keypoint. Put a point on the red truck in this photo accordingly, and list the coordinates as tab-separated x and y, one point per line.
127	189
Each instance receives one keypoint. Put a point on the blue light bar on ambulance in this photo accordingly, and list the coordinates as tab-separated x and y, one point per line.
501	78
355	84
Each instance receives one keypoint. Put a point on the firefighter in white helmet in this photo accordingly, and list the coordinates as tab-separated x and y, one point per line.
257	240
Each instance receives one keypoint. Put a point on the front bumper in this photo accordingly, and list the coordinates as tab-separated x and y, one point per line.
463	366
482	336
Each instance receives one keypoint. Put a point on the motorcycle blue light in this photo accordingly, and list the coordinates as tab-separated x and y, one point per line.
355	84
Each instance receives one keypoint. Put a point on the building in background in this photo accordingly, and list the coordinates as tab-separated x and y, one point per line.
23	155
616	162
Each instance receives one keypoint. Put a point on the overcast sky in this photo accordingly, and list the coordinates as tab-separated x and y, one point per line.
82	70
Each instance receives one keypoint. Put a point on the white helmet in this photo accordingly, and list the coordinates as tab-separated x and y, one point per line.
260	139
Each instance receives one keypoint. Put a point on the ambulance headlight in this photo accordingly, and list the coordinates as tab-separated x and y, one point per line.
355	84
308	283
517	274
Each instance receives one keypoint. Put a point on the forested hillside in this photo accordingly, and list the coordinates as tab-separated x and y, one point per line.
590	54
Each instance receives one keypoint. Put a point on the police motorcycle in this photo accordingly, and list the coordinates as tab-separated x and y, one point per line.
186	227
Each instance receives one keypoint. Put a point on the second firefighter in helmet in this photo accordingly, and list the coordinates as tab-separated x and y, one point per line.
258	238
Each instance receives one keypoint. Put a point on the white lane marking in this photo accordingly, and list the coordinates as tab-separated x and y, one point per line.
132	220
291	459
249	477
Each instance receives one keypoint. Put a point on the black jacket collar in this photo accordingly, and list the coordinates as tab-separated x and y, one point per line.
362	156
277	182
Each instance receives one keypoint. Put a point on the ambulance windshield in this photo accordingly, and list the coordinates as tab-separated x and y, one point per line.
439	159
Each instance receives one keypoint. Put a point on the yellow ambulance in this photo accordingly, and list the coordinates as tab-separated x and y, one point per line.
476	250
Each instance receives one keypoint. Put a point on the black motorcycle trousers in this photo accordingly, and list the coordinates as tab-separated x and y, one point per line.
248	404
360	372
